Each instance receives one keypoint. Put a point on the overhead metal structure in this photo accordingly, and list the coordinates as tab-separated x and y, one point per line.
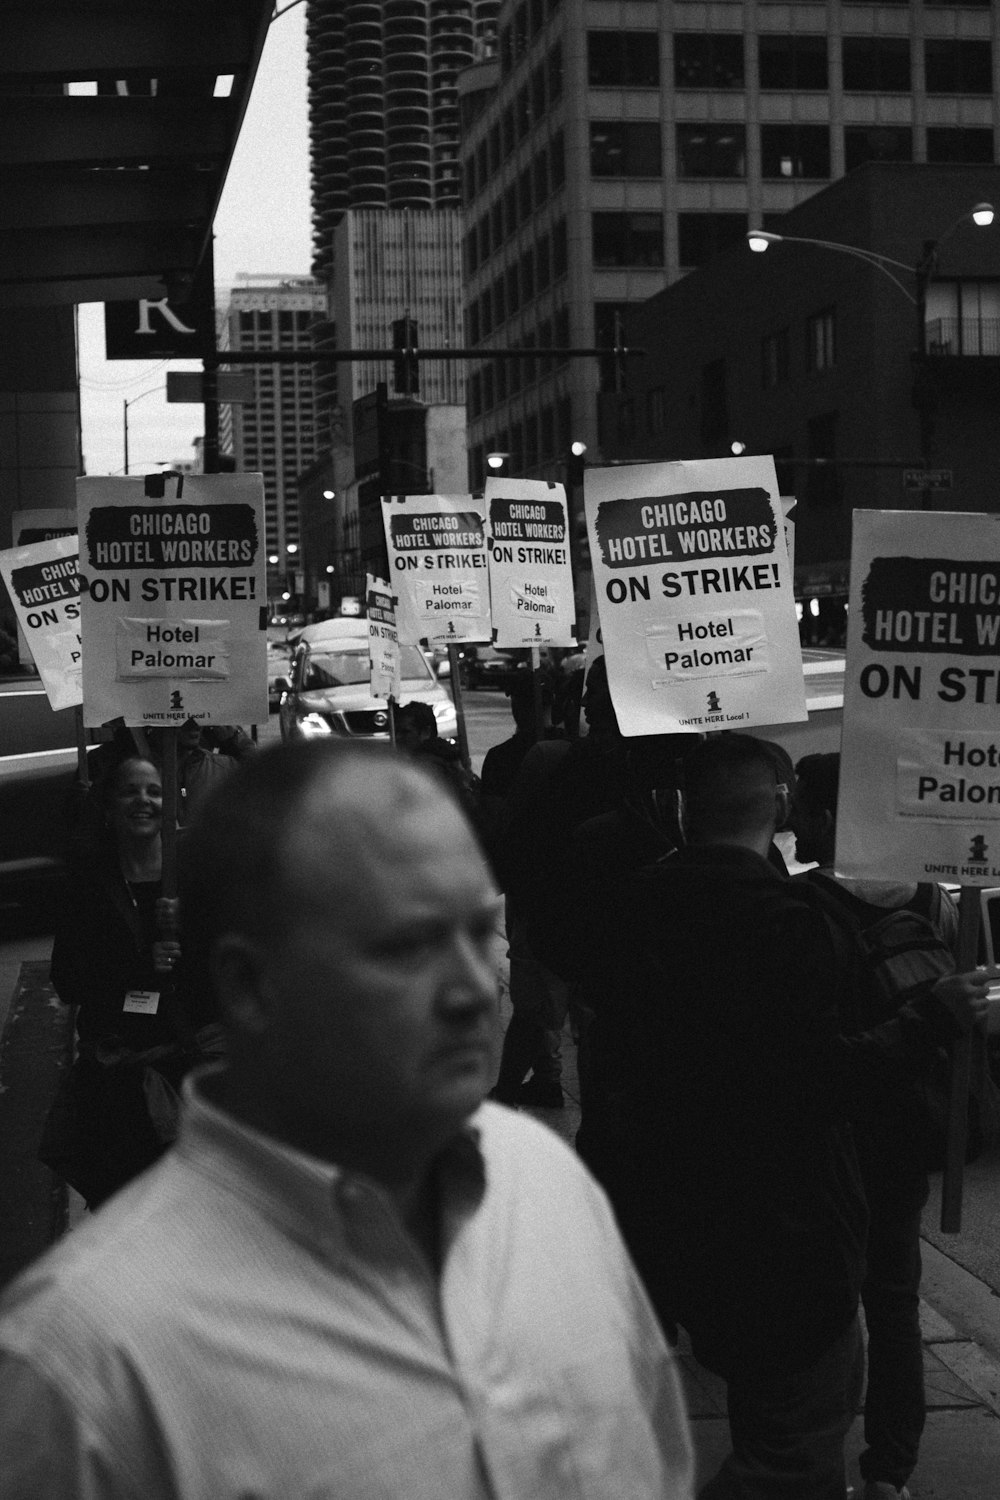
118	120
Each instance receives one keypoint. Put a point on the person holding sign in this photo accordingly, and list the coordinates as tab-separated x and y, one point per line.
351	1277
739	1190
900	937
112	1116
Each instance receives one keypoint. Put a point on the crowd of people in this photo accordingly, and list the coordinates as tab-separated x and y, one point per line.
354	1273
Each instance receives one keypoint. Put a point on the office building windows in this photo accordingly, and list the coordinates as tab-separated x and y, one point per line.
956	143
877	64
627	239
821	341
711	150
876	143
714	404
792	61
795	150
822	479
701	236
708	61
958	67
623	59
625	148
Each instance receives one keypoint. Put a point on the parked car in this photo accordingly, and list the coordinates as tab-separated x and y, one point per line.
329	687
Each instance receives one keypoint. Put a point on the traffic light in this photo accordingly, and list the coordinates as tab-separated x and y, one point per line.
405	367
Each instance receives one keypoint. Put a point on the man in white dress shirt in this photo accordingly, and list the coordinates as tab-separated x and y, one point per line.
351	1277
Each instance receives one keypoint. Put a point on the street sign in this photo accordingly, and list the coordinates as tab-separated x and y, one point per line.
231	387
927	479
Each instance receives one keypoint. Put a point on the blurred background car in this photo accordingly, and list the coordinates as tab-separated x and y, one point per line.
486	667
279	665
329	686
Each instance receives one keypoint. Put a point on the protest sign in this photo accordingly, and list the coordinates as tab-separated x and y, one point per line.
531	579
920	759
44	586
29	526
438	568
696	604
383	639
174	604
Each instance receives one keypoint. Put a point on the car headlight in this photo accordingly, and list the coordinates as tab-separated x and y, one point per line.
444	713
311	726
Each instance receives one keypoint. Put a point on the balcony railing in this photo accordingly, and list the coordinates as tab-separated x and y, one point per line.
963	336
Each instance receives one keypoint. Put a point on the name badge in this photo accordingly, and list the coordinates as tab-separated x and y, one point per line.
141	1002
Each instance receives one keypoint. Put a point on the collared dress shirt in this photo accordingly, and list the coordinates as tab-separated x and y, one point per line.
246	1322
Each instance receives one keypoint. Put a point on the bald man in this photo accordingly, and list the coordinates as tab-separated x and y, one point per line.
351	1277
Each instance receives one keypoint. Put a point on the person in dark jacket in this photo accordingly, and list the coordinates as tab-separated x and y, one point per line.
735	1177
116	962
893	1167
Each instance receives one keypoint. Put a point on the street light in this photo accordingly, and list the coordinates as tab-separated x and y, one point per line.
981	214
496	460
125	406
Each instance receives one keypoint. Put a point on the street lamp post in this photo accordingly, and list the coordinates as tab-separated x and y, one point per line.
923	273
125	406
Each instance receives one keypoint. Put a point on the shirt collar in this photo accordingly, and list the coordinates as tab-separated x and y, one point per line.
300	1191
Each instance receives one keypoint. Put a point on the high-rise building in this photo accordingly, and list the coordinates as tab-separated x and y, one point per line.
276	434
383	109
623	144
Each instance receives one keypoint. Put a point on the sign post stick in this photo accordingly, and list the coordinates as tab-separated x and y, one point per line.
456	693
961	1061
82	769
170	799
536	691
392	720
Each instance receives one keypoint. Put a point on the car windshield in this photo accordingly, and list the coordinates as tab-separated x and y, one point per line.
344	668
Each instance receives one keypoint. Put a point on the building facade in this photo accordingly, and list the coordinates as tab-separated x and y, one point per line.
874	386
383	111
624	143
277	433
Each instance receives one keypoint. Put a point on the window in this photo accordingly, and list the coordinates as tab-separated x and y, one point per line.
540	168
821	344
656	409
527	275
524	198
609	329
955	67
877	64
711	150
547	439
623	59
627	239
795	150
791	61
471	252
963	317
522	113
708	61
513	289
955	143
774	361
701	236
876	143
822	480
557	160
554	73
714	404
499	303
560	255
625	148
538	93
484	238
543	263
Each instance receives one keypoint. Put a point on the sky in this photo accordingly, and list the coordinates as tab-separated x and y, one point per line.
262	225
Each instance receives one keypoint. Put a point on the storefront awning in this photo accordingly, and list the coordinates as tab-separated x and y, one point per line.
118	120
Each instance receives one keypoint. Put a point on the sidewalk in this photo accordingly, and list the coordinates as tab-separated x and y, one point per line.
960	1451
